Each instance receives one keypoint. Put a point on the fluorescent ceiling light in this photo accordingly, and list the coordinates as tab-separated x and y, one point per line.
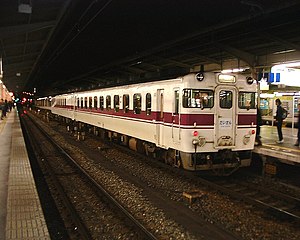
285	51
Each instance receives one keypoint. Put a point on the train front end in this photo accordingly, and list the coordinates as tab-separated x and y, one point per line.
218	122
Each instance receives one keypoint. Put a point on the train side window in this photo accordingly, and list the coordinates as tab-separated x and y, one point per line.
108	102
101	103
81	102
116	102
95	102
148	103
176	101
137	103
78	102
226	99
90	102
126	103
85	102
247	100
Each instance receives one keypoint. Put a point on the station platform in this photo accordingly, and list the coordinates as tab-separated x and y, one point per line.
284	152
21	215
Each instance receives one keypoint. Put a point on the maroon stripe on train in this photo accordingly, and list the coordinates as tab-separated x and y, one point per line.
186	119
247	119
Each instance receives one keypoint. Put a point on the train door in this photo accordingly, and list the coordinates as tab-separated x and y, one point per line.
160	117
73	108
225	117
176	116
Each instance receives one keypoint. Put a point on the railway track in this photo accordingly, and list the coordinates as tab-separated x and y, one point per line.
165	185
279	204
167	219
78	228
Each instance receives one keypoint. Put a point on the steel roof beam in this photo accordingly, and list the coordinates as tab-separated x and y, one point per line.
11	31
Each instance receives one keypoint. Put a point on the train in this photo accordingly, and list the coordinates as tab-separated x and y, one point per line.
199	121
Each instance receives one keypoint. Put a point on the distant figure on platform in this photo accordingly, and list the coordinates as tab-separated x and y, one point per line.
279	120
298	135
5	108
258	124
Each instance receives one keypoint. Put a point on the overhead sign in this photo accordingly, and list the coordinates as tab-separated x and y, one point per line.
284	76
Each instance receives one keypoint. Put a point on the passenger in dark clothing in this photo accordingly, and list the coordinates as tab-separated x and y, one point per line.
258	124
5	108
279	120
298	135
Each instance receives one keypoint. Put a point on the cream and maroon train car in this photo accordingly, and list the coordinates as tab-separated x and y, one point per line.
203	121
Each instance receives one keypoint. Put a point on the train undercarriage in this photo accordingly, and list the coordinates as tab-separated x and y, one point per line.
223	162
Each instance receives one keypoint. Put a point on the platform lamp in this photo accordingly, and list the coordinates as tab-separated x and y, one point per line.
25	6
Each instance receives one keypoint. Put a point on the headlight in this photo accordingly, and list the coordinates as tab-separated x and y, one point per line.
195	141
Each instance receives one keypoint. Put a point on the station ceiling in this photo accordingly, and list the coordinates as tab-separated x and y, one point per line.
57	46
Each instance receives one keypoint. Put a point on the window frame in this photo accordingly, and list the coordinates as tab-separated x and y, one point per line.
108	102
126	101
189	100
148	103
221	103
137	103
252	103
116	103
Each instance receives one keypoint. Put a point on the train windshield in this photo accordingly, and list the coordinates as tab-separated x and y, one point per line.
247	100
197	98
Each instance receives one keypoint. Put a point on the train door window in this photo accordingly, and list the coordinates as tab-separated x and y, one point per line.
108	102
126	103
137	103
116	102
101	102
148	103
247	100
226	99
85	102
176	101
95	102
90	102
78	102
81	102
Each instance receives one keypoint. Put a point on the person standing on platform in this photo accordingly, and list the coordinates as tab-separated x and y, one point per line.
298	135
4	109
279	120
258	124
1	108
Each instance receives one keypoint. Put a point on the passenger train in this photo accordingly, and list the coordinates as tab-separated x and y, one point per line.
201	121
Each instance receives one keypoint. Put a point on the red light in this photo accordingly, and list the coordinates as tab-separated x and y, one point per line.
195	133
253	131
